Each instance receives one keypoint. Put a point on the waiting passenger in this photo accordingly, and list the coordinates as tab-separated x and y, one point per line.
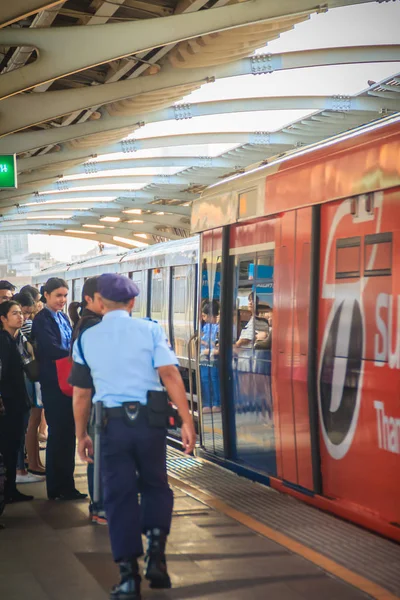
32	416
7	290
91	313
14	401
209	354
52	334
37	419
26	328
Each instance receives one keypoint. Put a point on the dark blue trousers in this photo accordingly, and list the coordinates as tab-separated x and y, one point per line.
60	450
133	460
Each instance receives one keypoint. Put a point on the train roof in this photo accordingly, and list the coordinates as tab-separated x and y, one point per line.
177	248
303	173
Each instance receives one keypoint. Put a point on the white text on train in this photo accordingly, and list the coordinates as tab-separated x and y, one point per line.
388	429
387	341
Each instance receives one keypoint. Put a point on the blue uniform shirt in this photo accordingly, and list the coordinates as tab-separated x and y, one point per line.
123	355
64	327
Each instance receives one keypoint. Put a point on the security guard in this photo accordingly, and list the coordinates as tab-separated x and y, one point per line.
123	359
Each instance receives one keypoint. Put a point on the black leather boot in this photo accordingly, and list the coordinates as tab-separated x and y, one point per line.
129	586
156	571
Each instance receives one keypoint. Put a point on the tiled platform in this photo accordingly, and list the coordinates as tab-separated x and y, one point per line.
50	551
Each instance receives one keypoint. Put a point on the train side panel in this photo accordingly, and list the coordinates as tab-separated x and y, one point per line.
359	353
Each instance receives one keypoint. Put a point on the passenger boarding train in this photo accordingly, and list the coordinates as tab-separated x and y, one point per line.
284	312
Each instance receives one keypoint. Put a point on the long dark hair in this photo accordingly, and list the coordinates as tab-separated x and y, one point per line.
30	289
52	284
24	299
5	308
75	309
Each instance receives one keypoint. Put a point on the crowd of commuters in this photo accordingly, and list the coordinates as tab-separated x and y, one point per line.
34	334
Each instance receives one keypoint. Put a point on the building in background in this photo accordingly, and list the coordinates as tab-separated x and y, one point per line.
12	244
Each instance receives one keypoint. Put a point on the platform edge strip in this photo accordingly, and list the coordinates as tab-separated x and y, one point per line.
358	581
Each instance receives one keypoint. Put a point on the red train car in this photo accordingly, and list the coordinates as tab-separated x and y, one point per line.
299	349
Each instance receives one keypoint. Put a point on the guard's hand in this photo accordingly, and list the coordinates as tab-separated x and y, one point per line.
188	437
85	449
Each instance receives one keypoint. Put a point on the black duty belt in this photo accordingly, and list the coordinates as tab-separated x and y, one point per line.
120	411
158	411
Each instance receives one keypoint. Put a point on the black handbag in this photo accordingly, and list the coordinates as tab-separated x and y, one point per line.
29	363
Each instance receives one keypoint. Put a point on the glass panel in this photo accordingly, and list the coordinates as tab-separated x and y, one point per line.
209	352
137	278
183	284
77	290
251	364
159	298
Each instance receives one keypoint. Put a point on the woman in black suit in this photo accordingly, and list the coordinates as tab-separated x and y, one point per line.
51	331
14	401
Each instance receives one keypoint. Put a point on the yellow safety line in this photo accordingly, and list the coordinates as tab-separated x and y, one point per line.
358	581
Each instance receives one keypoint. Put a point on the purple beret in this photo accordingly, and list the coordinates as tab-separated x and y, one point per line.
117	288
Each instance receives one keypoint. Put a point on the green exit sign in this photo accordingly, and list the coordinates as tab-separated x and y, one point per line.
8	171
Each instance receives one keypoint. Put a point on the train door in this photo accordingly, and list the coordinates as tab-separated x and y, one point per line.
208	342
291	353
359	352
251	360
252	260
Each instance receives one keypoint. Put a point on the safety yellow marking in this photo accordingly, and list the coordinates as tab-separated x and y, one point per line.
357	581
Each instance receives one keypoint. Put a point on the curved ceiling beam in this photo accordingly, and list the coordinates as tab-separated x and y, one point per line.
122	229
90	46
116	205
136	197
107	239
93	215
131	146
30	109
96	236
103	208
136	163
10	12
188	178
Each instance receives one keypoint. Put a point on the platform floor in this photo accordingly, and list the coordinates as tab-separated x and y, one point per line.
50	551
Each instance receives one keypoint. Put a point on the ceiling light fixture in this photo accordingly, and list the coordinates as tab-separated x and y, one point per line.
129	242
80	232
110	219
94	226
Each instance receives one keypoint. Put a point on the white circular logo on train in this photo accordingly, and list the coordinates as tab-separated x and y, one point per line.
341	374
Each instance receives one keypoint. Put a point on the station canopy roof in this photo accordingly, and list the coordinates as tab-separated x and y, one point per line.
94	102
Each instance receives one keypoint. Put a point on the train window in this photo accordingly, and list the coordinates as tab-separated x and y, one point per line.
182	307
378	254
159	297
265	265
246	269
348	257
137	278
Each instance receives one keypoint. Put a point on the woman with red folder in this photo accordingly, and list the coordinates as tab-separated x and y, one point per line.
51	332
